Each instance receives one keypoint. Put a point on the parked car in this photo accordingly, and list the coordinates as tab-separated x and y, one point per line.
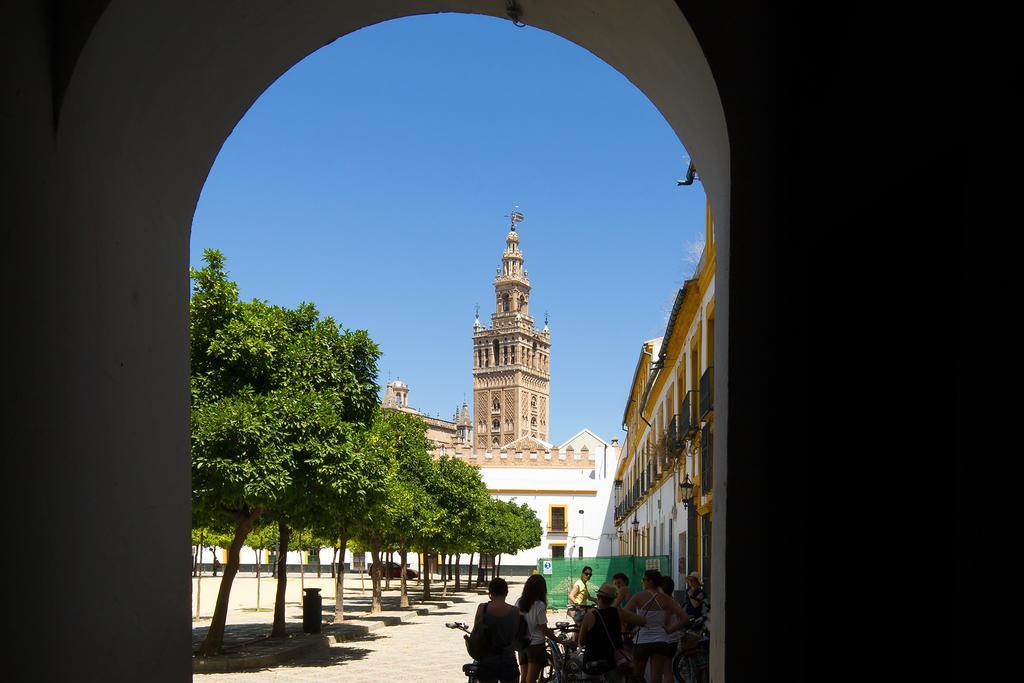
394	570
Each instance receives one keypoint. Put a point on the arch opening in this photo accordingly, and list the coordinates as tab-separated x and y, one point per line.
173	111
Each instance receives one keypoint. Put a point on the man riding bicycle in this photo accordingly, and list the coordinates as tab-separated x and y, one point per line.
580	595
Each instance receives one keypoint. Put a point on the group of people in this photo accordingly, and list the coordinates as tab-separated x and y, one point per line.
647	625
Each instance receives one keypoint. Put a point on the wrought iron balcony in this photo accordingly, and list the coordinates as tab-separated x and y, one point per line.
707	387
706	459
673	438
688	422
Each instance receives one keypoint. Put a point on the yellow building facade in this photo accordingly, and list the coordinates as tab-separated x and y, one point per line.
664	483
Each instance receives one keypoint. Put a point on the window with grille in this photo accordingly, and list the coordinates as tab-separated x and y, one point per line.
705	553
557	551
706	459
557	521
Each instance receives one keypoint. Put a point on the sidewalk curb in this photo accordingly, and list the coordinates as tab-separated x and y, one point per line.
283	650
296	645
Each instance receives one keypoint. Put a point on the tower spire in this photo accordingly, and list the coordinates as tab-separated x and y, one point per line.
511	372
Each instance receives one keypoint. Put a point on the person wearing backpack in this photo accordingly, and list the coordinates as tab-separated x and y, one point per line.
495	631
601	635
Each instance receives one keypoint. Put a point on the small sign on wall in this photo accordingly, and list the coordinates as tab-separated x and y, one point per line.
546	566
654	564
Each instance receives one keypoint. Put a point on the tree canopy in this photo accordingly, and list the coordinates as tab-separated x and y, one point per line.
277	397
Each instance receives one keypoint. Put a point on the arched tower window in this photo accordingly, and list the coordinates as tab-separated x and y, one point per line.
533	402
496	351
504	302
496	405
496	424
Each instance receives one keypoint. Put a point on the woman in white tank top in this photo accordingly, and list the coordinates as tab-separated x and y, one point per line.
651	641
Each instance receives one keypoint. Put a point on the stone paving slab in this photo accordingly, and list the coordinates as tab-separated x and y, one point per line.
248	646
417	648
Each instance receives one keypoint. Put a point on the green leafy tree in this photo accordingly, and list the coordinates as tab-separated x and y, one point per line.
276	394
507	528
458	490
410	512
398	511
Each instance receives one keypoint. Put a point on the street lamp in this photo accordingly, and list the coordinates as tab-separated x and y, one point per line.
582	532
686	489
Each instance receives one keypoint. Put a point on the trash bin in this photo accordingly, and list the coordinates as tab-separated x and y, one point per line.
312	608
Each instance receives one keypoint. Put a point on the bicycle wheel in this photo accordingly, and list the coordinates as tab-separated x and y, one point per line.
683	669
677	667
548	672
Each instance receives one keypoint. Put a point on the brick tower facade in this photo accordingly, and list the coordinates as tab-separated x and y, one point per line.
511	369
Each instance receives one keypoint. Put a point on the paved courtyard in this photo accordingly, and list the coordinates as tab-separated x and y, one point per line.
421	649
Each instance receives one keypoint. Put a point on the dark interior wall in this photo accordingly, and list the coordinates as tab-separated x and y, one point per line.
852	144
92	458
745	44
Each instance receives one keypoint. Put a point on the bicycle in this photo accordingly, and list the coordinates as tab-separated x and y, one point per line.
690	665
560	667
567	663
472	669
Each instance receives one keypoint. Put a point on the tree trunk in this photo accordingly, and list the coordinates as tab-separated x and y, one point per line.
387	571
480	578
317	562
215	636
334	563
195	559
302	567
497	567
280	629
426	575
404	600
259	561
444	574
458	567
339	582
375	605
199	576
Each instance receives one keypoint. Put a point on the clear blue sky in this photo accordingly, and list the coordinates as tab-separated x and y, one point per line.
373	178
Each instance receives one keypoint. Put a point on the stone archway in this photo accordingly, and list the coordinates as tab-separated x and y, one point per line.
154	91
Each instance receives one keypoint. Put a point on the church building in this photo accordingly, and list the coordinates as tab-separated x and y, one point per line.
569	485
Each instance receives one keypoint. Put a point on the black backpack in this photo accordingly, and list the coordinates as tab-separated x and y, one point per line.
478	642
521	641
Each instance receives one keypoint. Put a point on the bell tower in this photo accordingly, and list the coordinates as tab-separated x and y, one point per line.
511	372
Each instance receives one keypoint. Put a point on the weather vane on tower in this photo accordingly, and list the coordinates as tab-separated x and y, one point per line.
516	217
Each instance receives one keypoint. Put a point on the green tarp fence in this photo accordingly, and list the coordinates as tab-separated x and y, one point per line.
561	573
